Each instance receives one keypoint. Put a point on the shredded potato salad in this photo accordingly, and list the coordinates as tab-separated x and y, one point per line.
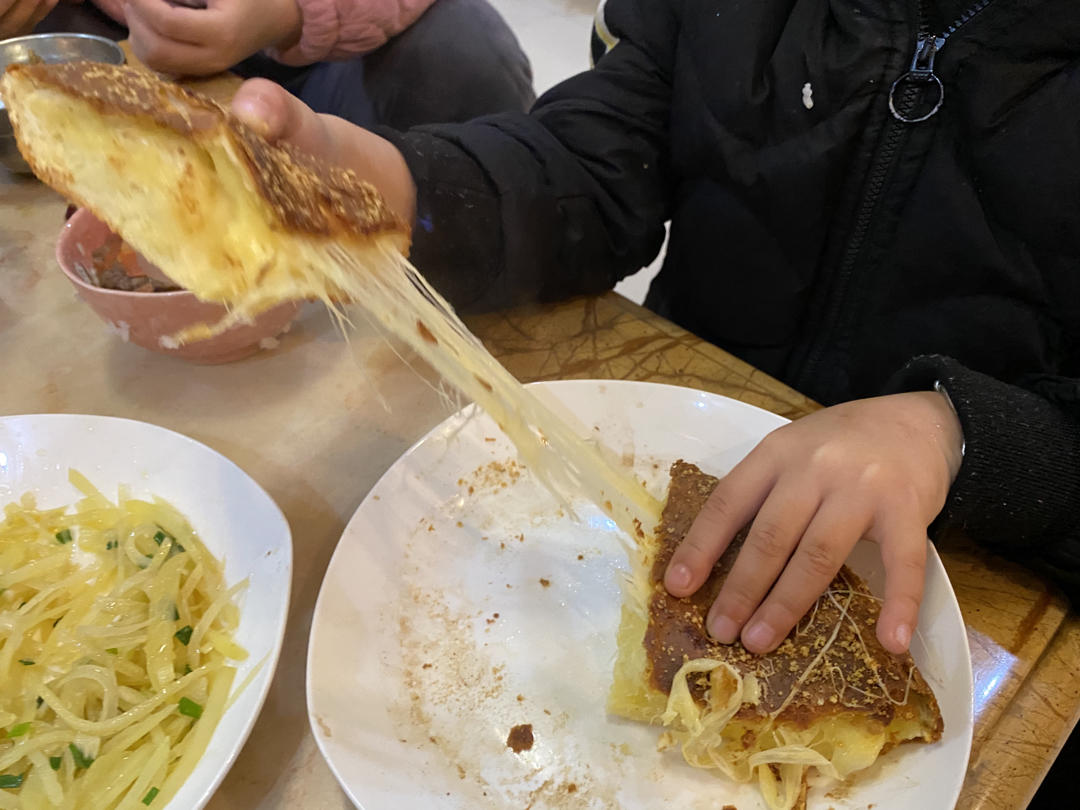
115	640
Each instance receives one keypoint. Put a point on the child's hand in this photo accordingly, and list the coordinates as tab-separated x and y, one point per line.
198	42
280	116
20	16
879	468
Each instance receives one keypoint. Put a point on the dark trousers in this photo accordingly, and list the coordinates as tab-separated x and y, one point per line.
458	61
1058	790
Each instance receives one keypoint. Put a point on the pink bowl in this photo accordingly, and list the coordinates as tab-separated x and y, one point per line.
149	319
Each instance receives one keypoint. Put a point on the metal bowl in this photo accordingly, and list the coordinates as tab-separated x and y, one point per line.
47	48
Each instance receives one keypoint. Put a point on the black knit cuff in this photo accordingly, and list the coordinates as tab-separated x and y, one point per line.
1018	489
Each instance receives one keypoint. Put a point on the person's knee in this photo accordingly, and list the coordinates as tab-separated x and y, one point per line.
458	61
478	44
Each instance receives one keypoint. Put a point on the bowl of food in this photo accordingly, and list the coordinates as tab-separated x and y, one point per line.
142	615
143	306
47	48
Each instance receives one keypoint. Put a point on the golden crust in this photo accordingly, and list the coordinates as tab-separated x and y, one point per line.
832	660
303	194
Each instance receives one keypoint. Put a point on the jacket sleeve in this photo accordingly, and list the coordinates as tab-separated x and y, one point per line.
339	29
1018	489
565	200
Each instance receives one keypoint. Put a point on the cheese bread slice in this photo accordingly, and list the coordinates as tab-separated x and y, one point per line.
224	213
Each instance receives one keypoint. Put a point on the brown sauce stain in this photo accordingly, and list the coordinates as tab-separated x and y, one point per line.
1030	621
520	738
425	333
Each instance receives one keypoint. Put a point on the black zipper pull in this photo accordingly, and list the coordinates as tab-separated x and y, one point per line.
918	77
927	47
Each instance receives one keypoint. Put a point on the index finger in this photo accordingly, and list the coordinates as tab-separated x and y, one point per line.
731	505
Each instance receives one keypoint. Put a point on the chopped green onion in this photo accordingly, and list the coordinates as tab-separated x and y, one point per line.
11	780
190	708
18	730
110	545
56	762
63	537
150	796
161	537
40	700
113	651
175	613
81	759
187	669
183	635
26	662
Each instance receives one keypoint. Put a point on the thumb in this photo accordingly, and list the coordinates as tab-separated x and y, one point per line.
266	107
278	115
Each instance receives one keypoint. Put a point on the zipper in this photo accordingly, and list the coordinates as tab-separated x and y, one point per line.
902	95
921	72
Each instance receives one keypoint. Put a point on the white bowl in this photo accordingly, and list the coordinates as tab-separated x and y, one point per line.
233	516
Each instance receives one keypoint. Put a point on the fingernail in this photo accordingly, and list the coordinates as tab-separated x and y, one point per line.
759	636
724	630
254	112
902	634
678	577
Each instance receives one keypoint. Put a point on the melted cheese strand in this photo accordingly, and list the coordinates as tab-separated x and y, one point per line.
395	294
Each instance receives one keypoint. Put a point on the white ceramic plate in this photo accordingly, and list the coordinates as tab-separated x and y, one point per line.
449	616
233	516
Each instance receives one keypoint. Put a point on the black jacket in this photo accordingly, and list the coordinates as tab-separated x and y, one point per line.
812	233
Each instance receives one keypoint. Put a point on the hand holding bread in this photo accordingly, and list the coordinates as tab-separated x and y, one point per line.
280	117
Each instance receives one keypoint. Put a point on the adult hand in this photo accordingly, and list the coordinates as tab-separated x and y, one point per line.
280	116
19	17
198	42
877	468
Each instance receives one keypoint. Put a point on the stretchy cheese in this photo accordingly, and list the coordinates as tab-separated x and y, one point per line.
251	224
